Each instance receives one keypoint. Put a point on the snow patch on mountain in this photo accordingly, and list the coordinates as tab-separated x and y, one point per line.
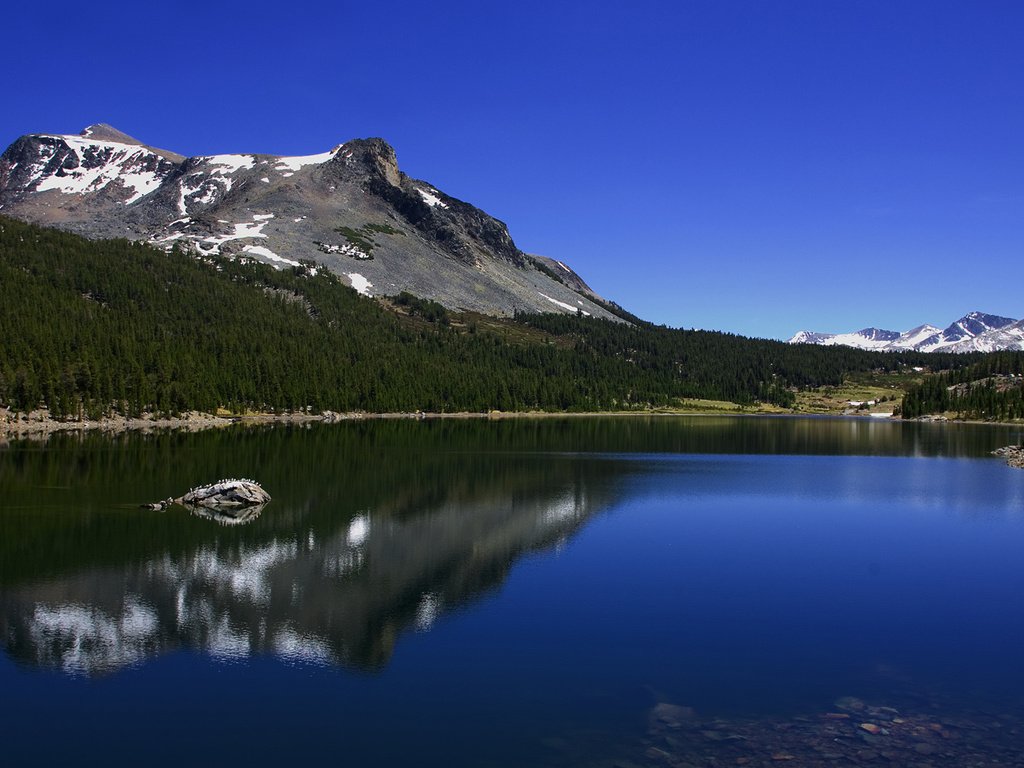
243	231
360	283
431	198
204	190
230	163
561	304
267	254
94	165
298	163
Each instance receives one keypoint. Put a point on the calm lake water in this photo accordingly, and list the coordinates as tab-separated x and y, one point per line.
592	592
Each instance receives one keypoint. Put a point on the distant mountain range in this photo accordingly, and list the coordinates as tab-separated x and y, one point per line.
349	209
974	332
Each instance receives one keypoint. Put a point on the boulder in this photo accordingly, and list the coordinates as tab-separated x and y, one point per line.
226	493
1013	454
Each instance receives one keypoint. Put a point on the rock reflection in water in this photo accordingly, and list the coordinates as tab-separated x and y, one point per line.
326	596
228	515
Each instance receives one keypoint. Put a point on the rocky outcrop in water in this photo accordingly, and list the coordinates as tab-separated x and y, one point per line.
1014	455
227	493
224	494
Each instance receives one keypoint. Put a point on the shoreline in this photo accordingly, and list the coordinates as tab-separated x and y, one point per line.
39	425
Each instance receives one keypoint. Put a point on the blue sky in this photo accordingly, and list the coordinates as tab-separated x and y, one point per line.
756	167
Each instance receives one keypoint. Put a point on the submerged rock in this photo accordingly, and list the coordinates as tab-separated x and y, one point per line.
874	736
671	715
850	704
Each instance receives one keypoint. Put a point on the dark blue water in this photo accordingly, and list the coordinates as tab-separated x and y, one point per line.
521	606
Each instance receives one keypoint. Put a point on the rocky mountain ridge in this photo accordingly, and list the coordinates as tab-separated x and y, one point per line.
350	209
974	332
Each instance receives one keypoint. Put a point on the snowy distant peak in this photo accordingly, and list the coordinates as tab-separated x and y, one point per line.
916	337
974	332
877	334
866	338
1009	337
810	337
974	324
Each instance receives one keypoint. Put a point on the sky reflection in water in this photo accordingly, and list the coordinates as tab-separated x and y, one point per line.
479	590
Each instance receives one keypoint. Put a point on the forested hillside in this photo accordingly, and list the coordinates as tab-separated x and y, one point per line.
991	389
94	328
723	366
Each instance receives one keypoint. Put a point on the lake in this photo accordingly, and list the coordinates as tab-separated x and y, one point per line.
664	591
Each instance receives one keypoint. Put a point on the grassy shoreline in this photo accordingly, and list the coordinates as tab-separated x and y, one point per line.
39	425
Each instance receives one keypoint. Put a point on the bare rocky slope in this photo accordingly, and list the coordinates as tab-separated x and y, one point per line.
350	210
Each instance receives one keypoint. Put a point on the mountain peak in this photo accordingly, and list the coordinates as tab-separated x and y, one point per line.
809	337
350	210
975	331
878	334
105	132
375	156
974	324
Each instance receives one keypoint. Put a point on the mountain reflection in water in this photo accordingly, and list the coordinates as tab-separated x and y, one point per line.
312	580
730	591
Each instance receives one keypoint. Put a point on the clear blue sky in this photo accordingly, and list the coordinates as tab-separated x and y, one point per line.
756	167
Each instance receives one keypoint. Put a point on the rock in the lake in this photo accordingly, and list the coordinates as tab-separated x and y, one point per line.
157	506
227	493
1014	455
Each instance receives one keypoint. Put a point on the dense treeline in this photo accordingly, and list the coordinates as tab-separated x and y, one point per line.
723	366
992	388
91	328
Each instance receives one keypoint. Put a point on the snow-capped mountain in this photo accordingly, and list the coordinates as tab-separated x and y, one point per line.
1009	337
349	209
974	332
